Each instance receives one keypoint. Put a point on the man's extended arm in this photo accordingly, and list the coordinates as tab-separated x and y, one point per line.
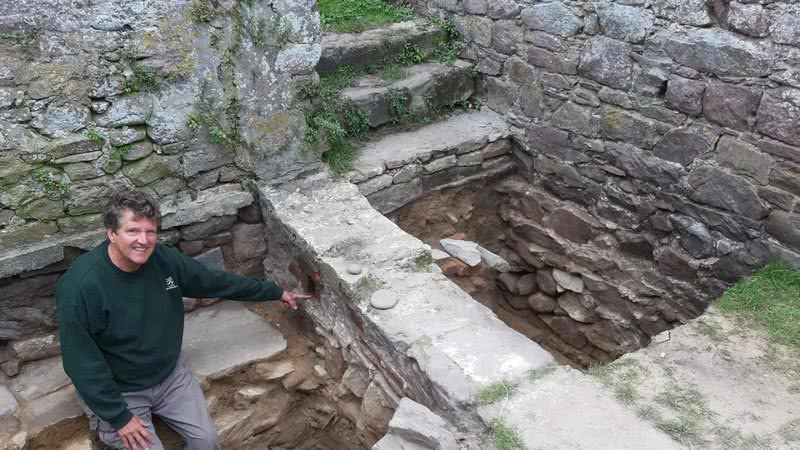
87	368
198	281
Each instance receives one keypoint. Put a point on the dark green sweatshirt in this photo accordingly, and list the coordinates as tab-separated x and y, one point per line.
122	332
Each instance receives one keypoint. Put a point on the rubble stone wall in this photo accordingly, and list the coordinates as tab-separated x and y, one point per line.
658	139
171	97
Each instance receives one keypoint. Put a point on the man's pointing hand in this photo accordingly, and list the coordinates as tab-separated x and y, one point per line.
291	298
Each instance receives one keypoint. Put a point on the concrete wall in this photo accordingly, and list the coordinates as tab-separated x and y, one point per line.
171	97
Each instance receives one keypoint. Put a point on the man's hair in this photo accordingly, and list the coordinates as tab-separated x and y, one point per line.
138	202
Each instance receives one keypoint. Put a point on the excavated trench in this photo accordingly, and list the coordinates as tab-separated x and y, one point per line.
581	288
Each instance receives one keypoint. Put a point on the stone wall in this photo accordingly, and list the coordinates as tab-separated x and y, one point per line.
659	142
232	241
171	97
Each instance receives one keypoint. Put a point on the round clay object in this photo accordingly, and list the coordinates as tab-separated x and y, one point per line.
383	299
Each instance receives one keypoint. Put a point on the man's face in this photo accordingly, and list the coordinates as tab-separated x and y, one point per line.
133	242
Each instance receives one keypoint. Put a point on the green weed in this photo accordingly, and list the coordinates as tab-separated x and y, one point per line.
94	135
142	79
495	392
354	16
769	299
505	436
410	55
201	11
423	263
356	122
398	105
119	153
54	188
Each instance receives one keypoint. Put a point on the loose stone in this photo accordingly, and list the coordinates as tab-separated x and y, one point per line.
383	299
354	269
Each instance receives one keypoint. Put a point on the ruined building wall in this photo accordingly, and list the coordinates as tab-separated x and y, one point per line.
172	97
659	148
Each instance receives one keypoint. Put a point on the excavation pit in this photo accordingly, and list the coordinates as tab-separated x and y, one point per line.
579	280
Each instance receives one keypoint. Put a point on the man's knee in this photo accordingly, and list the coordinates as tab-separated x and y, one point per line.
203	439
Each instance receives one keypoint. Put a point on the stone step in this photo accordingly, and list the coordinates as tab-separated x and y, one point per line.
462	132
464	148
424	87
376	45
568	409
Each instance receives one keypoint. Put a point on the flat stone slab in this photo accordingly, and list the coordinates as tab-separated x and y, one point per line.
8	404
39	378
31	257
372	46
215	202
51	409
462	131
568	410
743	389
227	336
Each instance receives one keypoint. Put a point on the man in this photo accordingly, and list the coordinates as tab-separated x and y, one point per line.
120	321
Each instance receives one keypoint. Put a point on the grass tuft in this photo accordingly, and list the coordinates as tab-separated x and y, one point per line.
355	16
495	392
423	263
769	298
541	372
505	436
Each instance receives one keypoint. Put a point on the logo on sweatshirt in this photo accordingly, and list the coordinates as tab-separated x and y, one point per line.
170	283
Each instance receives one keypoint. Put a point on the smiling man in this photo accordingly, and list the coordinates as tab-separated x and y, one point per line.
120	321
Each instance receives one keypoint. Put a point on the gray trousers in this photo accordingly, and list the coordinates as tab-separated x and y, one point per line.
178	400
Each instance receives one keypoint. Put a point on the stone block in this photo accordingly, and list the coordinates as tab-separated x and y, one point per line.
717	51
744	158
506	36
376	408
683	145
151	168
215	355
777	197
526	285
8	404
686	12
606	61
356	378
61	120
715	187
546	282
554	18
785	27
375	184
127	110
632	128
675	264
567	330
42	209
137	151
396	196
36	348
249	241
52	409
542	303
625	23
204	157
478	30
786	175
476	7
685	95
23	259
416	425
126	135
503	9
730	106
212	259
568	281
39	378
785	227
779	114
562	62
221	201
580	119
573	225
751	20
779	149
